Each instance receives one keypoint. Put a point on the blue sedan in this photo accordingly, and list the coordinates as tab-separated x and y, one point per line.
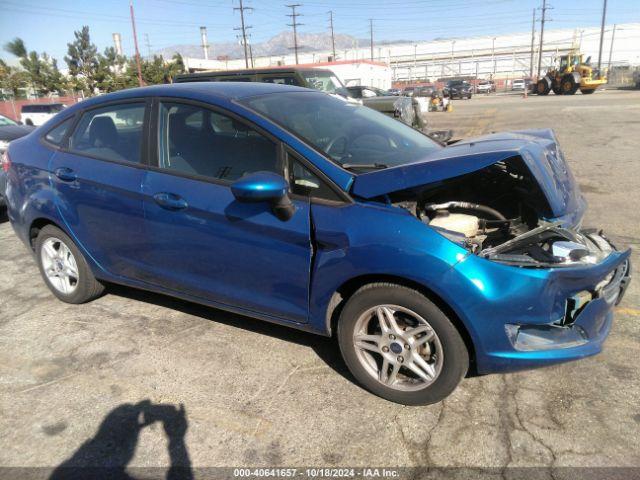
298	208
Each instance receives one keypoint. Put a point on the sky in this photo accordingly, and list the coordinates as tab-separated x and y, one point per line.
47	26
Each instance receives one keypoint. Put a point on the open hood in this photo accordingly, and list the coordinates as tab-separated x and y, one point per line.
538	149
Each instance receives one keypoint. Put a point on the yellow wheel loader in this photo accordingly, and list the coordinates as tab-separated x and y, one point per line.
572	75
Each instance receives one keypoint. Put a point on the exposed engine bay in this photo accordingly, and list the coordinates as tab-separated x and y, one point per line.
499	213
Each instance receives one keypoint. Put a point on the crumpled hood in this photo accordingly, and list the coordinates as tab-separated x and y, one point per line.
538	149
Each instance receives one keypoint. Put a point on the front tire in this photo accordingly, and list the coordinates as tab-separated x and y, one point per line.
400	346
570	84
64	268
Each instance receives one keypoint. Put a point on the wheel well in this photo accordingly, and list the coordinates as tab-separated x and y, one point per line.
347	289
37	225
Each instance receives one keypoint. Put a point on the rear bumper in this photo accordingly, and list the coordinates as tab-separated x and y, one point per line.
521	318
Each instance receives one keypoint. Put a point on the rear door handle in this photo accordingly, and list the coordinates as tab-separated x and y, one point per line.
65	174
170	201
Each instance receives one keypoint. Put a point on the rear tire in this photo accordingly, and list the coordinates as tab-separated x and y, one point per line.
542	87
368	346
64	268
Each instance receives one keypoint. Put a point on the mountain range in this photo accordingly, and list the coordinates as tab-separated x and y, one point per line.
280	44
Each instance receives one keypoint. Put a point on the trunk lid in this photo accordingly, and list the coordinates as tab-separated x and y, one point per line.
538	149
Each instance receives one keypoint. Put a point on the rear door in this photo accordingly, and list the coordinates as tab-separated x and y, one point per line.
200	240
97	175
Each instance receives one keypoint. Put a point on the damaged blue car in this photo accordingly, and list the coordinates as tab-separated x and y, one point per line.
292	206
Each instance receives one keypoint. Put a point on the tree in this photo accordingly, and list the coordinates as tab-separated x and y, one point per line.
82	59
12	79
176	67
40	71
110	72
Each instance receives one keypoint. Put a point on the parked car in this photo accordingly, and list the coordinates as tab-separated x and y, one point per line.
9	130
424	91
360	91
518	85
318	79
458	89
485	87
408	91
295	207
394	91
38	113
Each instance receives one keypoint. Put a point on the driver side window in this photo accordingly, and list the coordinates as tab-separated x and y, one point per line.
197	141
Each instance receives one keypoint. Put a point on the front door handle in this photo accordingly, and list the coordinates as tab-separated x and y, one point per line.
65	174
170	201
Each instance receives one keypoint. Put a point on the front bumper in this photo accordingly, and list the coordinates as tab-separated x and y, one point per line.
523	318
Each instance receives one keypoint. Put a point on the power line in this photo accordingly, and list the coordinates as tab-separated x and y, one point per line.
244	29
333	38
294	23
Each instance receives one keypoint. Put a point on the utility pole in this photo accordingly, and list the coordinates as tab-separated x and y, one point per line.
294	23
604	17
135	43
493	56
613	37
533	40
205	43
371	36
333	38
244	29
542	20
148	44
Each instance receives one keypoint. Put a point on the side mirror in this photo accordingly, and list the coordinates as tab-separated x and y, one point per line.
265	187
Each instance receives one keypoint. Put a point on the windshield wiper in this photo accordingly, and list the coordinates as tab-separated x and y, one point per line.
373	166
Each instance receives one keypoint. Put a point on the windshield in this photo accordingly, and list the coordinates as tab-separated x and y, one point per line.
354	136
4	121
323	81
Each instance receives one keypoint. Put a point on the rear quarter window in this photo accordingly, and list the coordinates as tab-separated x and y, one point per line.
56	135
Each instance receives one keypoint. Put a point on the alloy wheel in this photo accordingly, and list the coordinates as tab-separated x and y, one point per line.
59	265
398	347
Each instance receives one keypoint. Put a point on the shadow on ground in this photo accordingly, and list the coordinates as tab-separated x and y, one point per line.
326	348
107	454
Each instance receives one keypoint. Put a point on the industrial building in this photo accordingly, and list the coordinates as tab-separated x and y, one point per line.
501	57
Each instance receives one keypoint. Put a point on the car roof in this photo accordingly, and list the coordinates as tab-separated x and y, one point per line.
196	90
252	71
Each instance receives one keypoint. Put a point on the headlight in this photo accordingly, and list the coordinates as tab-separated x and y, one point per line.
4	144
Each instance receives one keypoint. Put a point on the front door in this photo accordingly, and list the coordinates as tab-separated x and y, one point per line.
203	242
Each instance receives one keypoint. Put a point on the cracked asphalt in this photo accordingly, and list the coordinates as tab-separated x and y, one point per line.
72	377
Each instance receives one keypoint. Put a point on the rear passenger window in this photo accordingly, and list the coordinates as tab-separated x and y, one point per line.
110	133
197	141
56	134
